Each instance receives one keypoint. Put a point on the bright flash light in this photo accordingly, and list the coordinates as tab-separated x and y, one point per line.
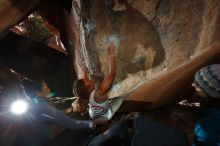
19	107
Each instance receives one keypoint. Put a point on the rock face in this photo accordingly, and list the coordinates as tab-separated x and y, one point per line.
36	28
155	36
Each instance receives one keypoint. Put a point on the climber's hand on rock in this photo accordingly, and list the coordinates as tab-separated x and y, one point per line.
111	48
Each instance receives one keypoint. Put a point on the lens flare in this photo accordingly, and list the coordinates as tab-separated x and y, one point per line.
19	107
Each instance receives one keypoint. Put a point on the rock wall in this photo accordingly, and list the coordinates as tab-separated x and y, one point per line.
155	36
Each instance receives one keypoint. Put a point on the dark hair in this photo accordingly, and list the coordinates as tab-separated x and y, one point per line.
31	87
80	89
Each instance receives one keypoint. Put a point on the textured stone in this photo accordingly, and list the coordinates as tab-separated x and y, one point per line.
156	36
40	30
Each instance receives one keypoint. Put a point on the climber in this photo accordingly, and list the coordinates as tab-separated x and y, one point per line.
100	107
207	86
41	115
98	100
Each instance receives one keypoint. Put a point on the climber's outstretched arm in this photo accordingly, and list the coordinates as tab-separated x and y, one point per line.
107	82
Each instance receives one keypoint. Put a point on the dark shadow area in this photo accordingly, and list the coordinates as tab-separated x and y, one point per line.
135	131
70	137
134	106
67	4
20	4
38	61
